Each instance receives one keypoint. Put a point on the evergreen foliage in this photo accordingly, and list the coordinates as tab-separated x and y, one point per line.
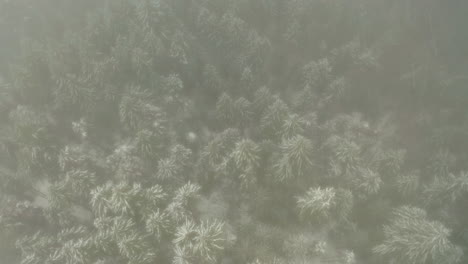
411	238
233	131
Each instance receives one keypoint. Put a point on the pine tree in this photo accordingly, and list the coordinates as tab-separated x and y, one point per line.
218	131
410	237
323	204
295	159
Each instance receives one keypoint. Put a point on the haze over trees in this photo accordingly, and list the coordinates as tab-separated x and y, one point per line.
233	131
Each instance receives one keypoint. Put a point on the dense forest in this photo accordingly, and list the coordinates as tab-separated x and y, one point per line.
233	131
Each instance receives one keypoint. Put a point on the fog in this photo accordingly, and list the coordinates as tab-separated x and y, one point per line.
233	131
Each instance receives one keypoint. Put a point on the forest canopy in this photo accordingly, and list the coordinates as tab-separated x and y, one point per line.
233	131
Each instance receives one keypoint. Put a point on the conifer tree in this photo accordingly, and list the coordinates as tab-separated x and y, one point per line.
233	131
